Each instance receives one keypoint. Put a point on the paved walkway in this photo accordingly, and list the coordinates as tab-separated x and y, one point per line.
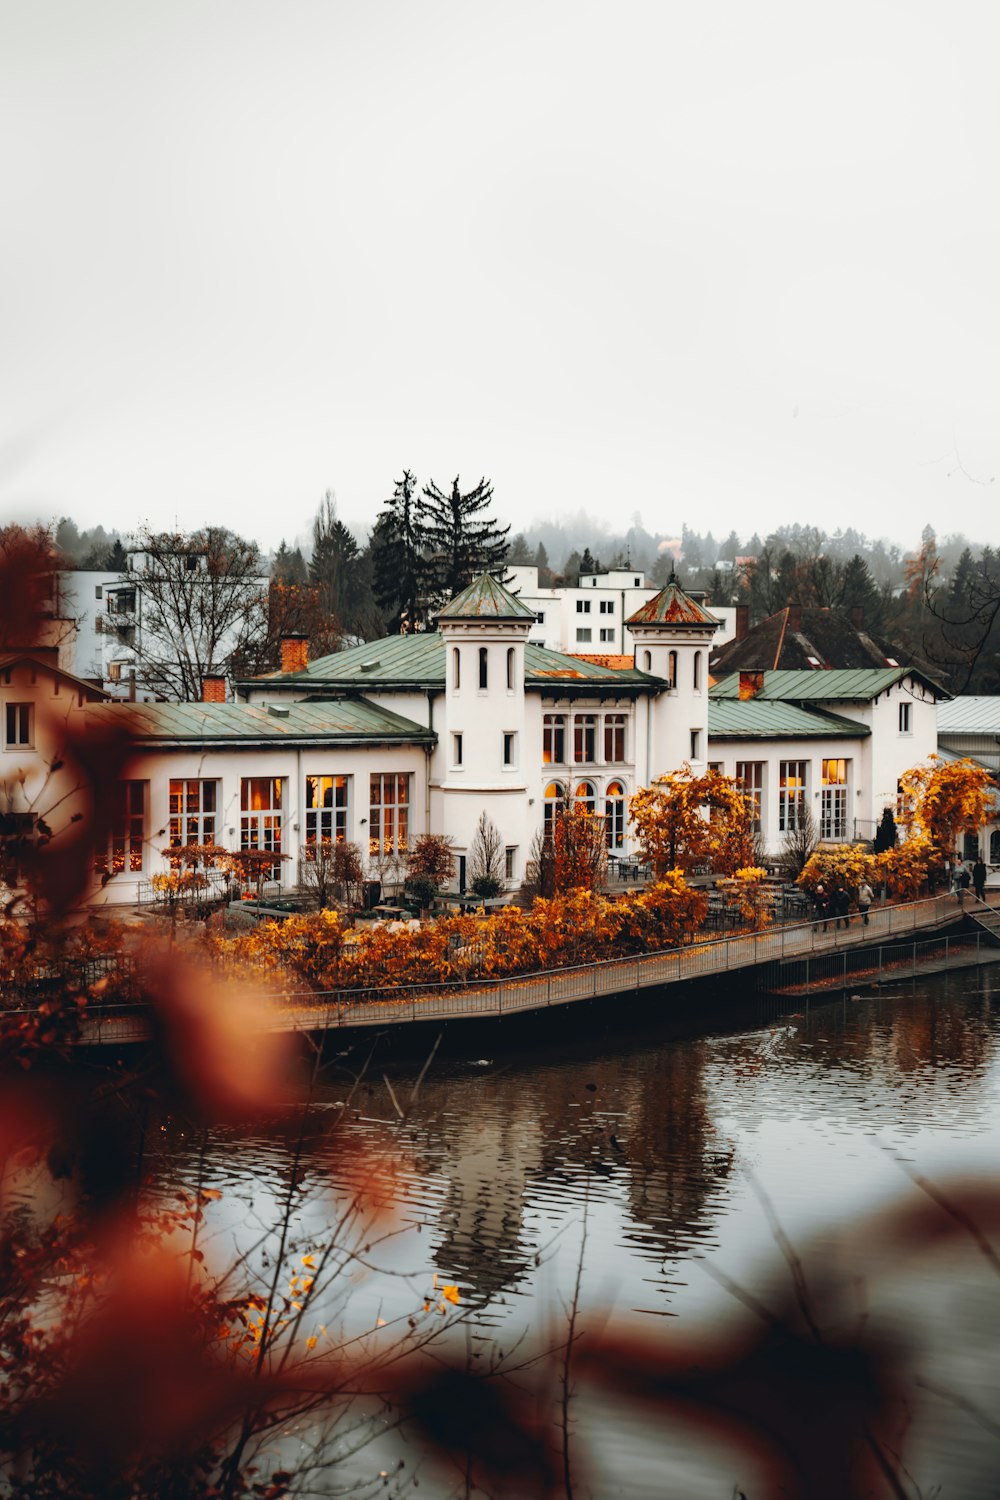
305	1011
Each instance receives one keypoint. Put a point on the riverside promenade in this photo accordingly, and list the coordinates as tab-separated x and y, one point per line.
309	1011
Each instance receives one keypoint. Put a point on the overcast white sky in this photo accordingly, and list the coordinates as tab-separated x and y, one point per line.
731	264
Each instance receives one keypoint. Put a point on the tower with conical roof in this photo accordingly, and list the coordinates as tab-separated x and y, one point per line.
482	739
672	634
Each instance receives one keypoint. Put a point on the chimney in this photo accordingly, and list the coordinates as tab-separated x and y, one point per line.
750	684
294	653
858	616
742	622
213	690
795	617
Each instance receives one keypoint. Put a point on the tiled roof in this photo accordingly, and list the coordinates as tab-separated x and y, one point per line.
754	719
418	661
673	607
345	719
817	687
485	599
616	663
820	639
970	715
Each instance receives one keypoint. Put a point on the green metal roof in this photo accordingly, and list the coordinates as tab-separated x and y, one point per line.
757	719
418	662
346	719
857	684
485	599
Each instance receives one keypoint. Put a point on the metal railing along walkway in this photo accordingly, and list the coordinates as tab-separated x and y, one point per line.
515	994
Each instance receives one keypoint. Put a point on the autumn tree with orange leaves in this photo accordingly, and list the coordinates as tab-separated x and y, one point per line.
684	820
942	799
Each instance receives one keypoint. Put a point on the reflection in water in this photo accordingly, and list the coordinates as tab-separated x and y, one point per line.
672	1144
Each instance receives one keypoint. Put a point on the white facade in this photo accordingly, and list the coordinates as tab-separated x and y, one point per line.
590	618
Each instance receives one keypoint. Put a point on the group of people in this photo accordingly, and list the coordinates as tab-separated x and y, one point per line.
977	879
837	904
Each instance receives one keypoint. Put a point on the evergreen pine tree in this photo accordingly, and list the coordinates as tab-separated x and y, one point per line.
400	572
461	536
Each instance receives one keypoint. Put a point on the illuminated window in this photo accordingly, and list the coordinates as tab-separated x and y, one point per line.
614	739
792	807
125	844
326	809
614	811
555	797
751	774
833	800
389	813
554	739
193	807
260	816
585	739
585	796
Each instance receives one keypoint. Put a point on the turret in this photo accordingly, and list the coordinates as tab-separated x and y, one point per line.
672	634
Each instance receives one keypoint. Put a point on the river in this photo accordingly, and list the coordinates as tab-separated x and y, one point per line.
664	1167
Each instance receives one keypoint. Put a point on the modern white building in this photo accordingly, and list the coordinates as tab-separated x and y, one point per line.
417	734
593	615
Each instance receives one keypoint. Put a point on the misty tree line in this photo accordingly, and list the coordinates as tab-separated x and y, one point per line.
941	601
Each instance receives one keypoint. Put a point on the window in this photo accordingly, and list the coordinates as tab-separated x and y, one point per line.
608	634
555	797
541	617
751	774
484	669
456	749
124	851
19	725
509	861
326	810
121	602
509	748
583	635
99	591
696	672
995	847
647	661
792	806
510	669
833	800
585	739
672	669
260	816
614	739
695	744
554	739
585	796
583	606
905	726
193	806
456	669
389	825
607	606
614	815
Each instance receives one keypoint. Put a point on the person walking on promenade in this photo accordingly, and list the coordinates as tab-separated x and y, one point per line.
865	898
962	880
822	900
979	878
842	907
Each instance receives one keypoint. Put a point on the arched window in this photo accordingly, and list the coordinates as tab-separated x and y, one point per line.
585	795
555	797
510	669
672	669
614	813
456	669
696	671
995	847
483	669
647	661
